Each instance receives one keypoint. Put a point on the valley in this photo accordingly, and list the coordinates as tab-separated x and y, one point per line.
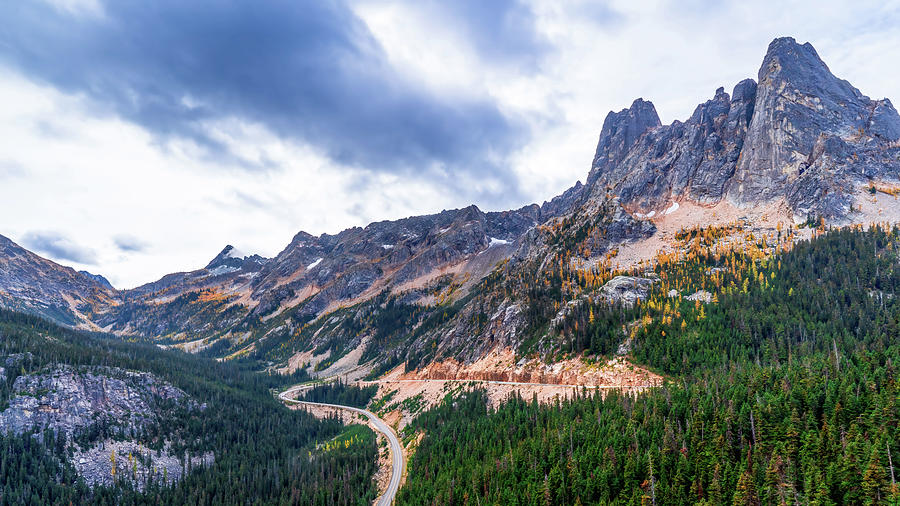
710	318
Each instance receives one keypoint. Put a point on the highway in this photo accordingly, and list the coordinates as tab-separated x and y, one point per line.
397	460
512	383
396	450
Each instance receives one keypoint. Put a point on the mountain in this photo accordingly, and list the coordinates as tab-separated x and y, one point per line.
99	279
90	419
34	284
795	146
799	134
388	254
234	296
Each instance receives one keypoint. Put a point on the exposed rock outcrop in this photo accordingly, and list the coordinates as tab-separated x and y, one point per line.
133	462
68	400
813	136
626	289
701	295
86	402
693	159
621	130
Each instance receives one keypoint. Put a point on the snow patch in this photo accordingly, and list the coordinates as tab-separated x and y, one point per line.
387	246
497	242
223	269
674	207
444	230
314	264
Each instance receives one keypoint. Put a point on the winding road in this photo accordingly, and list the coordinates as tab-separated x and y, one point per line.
387	498
397	460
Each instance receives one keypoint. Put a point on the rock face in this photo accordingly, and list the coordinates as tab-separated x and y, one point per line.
812	135
694	159
621	130
384	254
626	289
36	285
87	404
801	134
701	295
69	400
134	462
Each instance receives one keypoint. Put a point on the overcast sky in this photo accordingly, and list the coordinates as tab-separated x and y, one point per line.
140	137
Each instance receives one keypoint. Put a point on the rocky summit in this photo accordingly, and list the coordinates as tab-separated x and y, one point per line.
799	134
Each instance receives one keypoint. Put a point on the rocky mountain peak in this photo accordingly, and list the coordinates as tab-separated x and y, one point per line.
222	258
800	134
813	136
797	69
232	260
786	58
36	285
620	132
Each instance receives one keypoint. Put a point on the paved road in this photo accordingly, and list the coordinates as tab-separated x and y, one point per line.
396	450
514	383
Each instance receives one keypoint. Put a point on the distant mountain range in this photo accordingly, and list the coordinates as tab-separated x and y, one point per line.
797	145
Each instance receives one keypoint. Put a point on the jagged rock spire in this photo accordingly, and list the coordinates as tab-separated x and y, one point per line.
801	134
620	131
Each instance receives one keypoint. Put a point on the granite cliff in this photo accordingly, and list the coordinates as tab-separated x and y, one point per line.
799	134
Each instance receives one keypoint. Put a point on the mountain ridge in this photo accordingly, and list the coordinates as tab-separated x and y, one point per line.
799	143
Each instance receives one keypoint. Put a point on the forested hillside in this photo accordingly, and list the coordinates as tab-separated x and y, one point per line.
263	452
783	389
340	393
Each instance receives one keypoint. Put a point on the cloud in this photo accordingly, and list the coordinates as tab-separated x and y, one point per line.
500	31
309	71
600	13
106	107
10	169
129	244
59	247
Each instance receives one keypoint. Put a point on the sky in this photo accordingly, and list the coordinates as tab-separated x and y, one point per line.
139	138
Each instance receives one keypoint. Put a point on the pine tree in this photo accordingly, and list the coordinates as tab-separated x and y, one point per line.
745	493
874	482
774	481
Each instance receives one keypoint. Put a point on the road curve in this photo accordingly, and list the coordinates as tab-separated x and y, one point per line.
396	450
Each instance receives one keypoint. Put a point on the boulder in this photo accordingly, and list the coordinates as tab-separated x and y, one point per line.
626	289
